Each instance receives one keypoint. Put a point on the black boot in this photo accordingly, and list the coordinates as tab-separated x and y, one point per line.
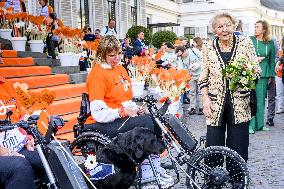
270	122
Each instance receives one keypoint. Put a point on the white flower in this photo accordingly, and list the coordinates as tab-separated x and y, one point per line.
90	162
17	25
22	24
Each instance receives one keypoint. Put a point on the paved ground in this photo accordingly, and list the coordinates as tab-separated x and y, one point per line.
266	153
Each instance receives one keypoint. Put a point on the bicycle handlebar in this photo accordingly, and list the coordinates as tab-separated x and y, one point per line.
149	99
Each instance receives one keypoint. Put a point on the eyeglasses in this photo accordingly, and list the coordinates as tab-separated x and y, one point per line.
114	55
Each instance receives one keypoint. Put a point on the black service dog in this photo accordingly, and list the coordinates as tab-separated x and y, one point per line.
126	152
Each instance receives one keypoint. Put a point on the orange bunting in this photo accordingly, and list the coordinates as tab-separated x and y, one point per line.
33	101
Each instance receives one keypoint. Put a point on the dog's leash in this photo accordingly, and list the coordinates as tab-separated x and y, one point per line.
128	118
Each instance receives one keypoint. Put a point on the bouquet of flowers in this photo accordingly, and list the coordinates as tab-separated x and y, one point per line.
92	49
37	29
71	39
19	21
6	16
140	68
172	82
242	73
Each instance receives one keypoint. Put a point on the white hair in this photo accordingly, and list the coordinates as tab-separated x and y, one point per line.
213	21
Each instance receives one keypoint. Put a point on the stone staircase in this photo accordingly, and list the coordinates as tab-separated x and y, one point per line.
39	72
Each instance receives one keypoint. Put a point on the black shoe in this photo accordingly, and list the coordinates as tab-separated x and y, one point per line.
270	122
200	111
192	111
237	185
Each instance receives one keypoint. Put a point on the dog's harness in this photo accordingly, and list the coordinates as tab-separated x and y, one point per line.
101	171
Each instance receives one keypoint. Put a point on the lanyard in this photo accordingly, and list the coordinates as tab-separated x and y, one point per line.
257	48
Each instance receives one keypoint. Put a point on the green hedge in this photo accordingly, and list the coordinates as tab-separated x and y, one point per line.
163	36
134	30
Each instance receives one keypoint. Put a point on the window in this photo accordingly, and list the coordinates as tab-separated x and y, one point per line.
51	3
189	31
83	13
111	9
187	1
133	4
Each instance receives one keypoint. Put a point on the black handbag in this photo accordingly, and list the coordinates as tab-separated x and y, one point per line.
253	102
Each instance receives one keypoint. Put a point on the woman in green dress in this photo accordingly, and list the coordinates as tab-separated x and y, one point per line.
265	52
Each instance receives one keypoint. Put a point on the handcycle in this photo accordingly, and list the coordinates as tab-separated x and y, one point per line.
206	168
57	160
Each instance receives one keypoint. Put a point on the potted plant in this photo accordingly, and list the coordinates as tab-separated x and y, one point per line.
18	32
71	45
6	24
139	70
91	47
37	32
172	84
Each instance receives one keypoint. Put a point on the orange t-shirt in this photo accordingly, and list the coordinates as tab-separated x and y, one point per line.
113	86
9	101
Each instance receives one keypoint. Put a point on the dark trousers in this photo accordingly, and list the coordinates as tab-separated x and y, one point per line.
16	172
111	129
51	45
271	98
237	139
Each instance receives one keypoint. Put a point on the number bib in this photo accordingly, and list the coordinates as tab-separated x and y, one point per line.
14	140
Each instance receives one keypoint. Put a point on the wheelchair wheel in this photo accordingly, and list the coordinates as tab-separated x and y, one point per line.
89	142
217	167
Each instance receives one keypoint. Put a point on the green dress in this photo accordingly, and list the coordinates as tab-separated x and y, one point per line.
267	66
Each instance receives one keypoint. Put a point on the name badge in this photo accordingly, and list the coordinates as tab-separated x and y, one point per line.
13	140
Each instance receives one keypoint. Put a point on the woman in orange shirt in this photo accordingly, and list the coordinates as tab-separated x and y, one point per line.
110	94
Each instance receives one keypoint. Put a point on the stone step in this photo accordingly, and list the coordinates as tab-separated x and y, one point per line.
78	77
31	54
42	81
47	62
65	69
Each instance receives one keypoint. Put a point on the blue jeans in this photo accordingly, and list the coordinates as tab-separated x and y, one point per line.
16	172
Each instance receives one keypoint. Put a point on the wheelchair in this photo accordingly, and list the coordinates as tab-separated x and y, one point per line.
208	168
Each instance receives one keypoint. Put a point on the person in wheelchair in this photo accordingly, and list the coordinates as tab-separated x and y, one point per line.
112	110
15	143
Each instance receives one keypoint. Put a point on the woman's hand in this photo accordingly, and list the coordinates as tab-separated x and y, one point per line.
260	58
141	110
14	153
30	145
207	106
130	112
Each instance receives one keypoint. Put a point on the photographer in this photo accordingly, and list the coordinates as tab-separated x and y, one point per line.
53	41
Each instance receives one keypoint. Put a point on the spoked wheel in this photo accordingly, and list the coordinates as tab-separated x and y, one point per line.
89	143
217	167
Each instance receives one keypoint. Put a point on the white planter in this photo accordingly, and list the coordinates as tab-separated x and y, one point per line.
76	58
66	59
6	33
137	88
36	45
89	70
19	43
